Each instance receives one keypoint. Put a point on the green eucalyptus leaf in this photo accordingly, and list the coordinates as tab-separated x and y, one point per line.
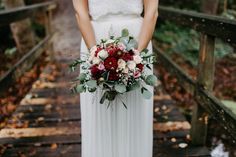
92	90
134	86
120	88
111	95
125	32
132	44
151	80
82	76
103	98
92	83
124	40
80	88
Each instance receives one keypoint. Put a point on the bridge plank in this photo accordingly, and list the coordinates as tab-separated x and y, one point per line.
52	151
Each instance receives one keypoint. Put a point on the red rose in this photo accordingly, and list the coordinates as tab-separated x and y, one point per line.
96	73
113	76
111	63
127	57
140	66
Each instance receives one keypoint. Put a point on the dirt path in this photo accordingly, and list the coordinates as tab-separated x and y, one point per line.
67	39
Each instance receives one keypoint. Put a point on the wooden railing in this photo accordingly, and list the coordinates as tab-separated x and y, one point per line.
26	62
210	27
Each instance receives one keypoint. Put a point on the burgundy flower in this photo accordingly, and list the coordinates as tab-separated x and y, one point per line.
140	66
112	51
111	63
96	73
127	57
113	76
131	52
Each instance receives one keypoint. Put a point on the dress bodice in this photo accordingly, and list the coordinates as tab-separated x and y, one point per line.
100	8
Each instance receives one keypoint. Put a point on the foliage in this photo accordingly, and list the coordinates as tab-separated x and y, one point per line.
1	5
39	29
183	4
185	41
10	52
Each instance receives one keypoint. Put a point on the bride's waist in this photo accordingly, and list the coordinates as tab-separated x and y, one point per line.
117	17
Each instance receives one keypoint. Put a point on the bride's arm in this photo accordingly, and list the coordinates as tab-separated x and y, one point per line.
149	23
84	23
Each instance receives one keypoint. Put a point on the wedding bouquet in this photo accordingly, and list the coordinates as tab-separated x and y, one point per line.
116	67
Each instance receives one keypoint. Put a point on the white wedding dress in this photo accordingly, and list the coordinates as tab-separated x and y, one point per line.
116	131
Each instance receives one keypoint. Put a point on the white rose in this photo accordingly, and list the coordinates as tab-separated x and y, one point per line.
121	64
137	59
96	60
110	41
103	54
131	65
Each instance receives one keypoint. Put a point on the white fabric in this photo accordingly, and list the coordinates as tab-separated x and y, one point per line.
99	8
116	131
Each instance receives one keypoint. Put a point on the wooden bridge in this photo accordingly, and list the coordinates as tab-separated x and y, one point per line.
47	121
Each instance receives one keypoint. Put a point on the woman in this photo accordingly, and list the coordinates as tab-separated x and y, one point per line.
116	131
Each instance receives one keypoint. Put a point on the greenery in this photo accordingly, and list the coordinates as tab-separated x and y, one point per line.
185	41
39	29
1	5
183	4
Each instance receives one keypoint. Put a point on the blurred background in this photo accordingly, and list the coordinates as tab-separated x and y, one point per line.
36	46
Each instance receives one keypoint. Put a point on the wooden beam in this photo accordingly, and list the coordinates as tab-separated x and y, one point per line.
13	15
225	117
208	24
34	132
23	64
206	70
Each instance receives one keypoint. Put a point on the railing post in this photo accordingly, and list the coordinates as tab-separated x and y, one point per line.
206	69
48	29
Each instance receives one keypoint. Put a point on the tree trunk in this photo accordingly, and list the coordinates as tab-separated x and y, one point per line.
210	6
22	32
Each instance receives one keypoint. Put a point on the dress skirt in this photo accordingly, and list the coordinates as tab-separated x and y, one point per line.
116	131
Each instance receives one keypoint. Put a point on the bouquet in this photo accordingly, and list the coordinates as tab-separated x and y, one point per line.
116	67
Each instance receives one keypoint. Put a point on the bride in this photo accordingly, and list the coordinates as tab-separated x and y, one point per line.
116	131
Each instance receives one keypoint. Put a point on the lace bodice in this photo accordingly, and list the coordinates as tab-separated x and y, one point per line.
100	8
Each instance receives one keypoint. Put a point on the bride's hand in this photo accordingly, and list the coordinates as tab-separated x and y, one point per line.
93	48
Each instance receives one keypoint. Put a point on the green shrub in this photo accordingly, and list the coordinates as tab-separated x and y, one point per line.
185	42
